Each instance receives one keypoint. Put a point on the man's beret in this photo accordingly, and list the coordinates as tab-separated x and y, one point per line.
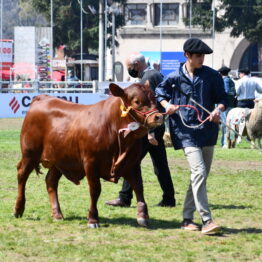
196	46
224	70
245	71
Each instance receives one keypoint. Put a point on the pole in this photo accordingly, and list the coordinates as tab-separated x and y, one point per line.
213	30
105	44
190	17
101	43
81	39
113	45
1	43
161	22
52	45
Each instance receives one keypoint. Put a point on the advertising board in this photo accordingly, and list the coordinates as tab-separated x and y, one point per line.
15	105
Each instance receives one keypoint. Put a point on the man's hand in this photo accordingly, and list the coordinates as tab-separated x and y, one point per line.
215	116
171	109
152	140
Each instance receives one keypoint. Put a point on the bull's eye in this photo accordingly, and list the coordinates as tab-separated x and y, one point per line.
137	102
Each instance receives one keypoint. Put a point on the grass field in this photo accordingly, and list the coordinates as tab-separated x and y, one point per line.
234	190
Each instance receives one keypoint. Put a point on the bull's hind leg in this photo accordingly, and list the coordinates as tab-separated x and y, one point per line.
24	168
135	180
52	179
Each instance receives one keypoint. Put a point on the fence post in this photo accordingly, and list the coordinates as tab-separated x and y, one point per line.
95	86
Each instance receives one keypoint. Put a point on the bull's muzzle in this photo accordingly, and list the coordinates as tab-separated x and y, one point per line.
154	120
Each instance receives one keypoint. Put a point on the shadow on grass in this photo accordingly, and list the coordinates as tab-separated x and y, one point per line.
249	230
153	223
228	207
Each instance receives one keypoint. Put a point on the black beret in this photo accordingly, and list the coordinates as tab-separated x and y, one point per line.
245	71
197	46
224	70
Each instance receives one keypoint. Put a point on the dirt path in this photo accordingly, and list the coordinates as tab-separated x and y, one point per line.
225	164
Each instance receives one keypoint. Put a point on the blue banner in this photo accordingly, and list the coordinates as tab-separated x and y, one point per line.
165	62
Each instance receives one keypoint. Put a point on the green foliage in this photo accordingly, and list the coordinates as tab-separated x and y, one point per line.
234	190
243	16
66	19
202	15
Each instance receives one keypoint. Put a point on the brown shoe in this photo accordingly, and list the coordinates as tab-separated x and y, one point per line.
210	228
117	203
189	225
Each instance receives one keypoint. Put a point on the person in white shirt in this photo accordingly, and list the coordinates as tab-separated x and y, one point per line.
246	87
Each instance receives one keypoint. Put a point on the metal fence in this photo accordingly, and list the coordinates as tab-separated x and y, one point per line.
48	87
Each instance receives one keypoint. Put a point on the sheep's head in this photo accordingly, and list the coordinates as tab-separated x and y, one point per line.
258	104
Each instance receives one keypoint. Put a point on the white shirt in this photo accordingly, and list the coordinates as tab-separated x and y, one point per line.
259	81
246	87
186	73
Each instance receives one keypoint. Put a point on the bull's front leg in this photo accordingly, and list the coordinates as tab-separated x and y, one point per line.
135	180
95	190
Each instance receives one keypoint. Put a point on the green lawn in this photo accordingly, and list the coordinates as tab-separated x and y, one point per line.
234	190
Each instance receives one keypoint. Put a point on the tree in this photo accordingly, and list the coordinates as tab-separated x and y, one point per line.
241	16
202	15
66	20
244	17
17	13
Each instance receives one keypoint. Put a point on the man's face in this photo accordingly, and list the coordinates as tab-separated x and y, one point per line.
133	69
241	75
195	60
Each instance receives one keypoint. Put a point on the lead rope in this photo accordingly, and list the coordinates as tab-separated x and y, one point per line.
198	117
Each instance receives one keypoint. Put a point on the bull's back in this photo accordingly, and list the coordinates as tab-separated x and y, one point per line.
47	115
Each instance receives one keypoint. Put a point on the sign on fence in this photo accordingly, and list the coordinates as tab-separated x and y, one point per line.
14	105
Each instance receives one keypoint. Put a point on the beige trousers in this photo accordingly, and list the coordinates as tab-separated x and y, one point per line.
199	160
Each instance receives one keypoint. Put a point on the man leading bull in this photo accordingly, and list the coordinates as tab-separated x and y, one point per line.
194	82
153	143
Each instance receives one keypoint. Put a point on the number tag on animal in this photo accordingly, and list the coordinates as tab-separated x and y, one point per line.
133	126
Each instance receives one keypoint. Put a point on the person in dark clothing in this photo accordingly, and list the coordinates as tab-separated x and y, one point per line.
153	143
230	90
204	85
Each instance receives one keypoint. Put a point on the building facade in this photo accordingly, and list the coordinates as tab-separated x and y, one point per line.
149	32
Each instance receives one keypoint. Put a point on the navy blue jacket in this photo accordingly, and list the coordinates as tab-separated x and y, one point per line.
207	89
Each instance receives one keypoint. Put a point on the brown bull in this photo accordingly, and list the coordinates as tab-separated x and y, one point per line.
92	141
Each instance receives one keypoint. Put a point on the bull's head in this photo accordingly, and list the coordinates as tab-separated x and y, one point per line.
139	101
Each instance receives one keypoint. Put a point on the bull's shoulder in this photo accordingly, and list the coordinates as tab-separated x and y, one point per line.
40	98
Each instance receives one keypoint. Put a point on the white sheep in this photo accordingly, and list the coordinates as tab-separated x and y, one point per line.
236	120
246	122
254	123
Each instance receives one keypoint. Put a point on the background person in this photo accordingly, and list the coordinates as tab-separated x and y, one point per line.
205	85
153	143
230	90
246	87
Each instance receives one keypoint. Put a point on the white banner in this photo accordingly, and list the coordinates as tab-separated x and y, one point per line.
13	105
6	52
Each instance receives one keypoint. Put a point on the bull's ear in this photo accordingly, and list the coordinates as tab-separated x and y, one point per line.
116	90
147	85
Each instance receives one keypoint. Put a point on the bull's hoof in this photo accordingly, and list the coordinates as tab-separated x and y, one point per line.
96	225
57	217
17	214
142	222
